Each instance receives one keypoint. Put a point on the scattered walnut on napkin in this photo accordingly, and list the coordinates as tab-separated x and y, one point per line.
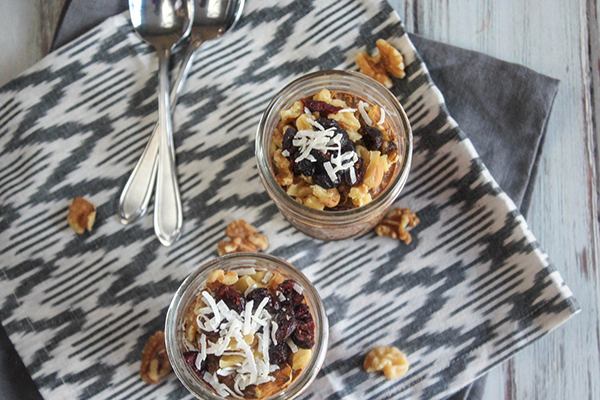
386	61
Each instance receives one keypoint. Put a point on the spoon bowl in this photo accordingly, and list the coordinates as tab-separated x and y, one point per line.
212	19
161	23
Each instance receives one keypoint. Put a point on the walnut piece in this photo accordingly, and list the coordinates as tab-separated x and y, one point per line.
388	60
82	215
395	223
155	363
283	378
218	278
244	237
390	360
285	176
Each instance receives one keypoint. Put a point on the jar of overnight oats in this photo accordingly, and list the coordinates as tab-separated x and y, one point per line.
333	150
246	325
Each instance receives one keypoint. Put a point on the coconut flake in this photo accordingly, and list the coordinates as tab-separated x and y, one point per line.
382	119
352	176
307	111
285	153
329	169
363	112
249	289
315	124
274	331
347	110
280	296
297	288
292	345
248	317
202	348
245	271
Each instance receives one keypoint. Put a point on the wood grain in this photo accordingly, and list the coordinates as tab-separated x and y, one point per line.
556	37
560	39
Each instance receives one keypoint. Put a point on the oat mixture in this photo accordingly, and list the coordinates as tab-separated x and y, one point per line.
334	151
249	333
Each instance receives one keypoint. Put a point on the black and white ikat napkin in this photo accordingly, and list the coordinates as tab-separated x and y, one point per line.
471	290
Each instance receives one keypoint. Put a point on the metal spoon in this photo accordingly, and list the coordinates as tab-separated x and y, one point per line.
212	19
163	23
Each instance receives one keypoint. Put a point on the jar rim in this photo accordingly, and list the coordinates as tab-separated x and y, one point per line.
177	309
342	216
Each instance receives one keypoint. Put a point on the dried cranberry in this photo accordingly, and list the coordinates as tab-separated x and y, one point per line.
302	312
304	335
324	181
278	354
372	137
304	167
257	295
232	298
288	140
359	173
288	289
286	323
190	358
321	106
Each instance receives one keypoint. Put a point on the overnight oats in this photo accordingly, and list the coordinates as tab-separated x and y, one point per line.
247	332
333	150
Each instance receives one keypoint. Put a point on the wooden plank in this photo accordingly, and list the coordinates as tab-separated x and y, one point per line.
554	38
28	29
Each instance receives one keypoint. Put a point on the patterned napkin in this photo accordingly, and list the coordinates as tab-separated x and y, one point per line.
472	289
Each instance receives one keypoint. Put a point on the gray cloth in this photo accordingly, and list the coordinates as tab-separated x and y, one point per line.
503	108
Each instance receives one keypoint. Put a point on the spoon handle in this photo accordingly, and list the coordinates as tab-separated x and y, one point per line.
137	192
168	216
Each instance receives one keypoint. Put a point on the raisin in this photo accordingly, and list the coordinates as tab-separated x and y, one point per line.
304	335
390	149
302	312
304	167
278	354
320	156
292	297
286	323
372	137
212	364
320	106
232	298
190	358
324	181
327	123
359	173
257	295
288	140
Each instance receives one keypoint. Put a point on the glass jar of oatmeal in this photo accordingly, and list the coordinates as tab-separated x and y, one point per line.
263	268
338	223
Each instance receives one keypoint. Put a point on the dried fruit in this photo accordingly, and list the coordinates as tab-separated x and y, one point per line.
324	181
244	237
359	173
190	358
82	215
320	106
232	298
395	223
155	363
258	295
390	360
292	292
288	140
329	123
304	167
304	335
372	137
303	314
286	323
391	150
279	353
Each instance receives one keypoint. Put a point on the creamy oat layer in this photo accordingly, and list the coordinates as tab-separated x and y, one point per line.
249	333
334	151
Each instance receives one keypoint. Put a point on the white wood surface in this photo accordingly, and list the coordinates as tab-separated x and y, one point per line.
556	37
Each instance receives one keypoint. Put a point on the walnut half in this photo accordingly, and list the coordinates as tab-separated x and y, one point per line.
82	215
387	61
390	360
395	223
244	237
155	362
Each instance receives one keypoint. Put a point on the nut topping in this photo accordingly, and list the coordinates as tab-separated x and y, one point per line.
390	360
244	237
395	223
82	215
155	363
388	60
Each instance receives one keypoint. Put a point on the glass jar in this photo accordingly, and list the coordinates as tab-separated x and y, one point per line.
195	283
334	225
